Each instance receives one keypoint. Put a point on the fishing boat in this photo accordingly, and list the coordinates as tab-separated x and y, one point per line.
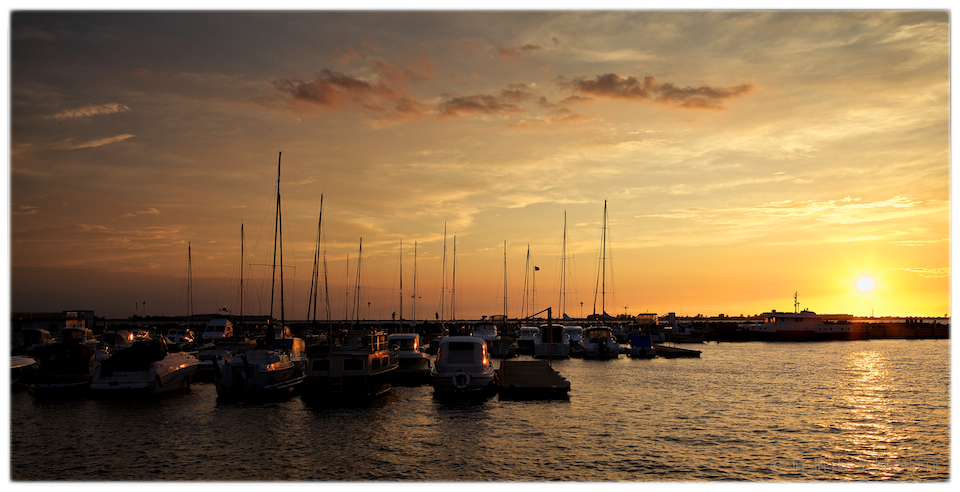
147	366
599	342
357	365
551	342
413	363
463	367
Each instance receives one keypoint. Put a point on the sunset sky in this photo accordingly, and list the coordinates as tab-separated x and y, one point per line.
744	156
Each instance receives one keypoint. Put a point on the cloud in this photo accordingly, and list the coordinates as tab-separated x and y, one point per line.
930	272
345	57
613	86
25	210
406	108
516	53
420	70
90	110
477	104
71	145
332	90
149	211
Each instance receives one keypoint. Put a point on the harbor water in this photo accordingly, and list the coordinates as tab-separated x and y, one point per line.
859	410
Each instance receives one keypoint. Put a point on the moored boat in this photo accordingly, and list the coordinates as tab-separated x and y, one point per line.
551	342
527	339
273	369
413	363
599	342
64	369
147	366
463	367
355	365
641	347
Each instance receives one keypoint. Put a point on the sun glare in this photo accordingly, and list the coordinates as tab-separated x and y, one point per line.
865	284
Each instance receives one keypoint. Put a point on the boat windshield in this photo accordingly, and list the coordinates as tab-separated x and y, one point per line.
461	353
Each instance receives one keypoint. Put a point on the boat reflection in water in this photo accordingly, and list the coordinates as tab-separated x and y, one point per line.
355	365
463	367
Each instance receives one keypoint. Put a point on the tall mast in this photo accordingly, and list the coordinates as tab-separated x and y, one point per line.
453	286
504	282
315	278
326	290
401	281
276	233
525	304
189	287
443	272
563	269
602	272
346	291
356	296
235	332
414	315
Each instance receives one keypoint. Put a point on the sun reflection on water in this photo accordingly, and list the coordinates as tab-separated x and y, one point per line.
867	436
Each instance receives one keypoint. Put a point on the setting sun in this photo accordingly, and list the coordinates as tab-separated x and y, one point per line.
866	284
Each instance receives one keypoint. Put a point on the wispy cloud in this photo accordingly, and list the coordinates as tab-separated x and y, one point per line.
25	210
613	86
332	89
930	272
514	53
71	145
505	103
90	110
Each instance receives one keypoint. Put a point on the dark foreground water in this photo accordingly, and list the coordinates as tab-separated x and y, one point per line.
867	410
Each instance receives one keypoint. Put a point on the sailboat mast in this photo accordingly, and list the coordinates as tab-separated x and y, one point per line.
525	304
235	333
504	282
356	296
603	262
280	228
443	272
315	277
401	281
276	232
453	286
563	269
189	287
326	290
414	315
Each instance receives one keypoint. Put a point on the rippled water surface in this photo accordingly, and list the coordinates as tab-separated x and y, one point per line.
866	410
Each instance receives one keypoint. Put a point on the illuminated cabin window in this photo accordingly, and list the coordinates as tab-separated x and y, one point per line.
353	364
321	365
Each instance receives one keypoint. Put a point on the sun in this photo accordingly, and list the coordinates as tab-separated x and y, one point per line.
866	284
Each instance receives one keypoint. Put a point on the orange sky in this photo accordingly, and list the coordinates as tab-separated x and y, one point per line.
744	156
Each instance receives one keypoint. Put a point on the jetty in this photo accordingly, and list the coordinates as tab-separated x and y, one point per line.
531	380
674	352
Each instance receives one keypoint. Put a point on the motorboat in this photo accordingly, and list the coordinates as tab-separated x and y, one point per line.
413	363
527	339
498	346
352	365
182	337
274	368
463	367
33	339
218	328
599	342
21	368
641	347
147	366
575	333
79	336
551	342
64	369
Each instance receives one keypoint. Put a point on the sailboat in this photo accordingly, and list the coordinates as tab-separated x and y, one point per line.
275	367
599	342
552	340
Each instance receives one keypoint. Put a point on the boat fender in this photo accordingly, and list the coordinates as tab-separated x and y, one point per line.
460	380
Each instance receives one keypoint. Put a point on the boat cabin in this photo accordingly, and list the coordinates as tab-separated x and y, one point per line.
468	353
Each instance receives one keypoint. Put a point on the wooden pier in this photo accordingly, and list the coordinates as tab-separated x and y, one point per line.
674	352
531	380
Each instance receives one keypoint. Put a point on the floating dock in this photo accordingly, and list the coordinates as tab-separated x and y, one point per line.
531	380
674	352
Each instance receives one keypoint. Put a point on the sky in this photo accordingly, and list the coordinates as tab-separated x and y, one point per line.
743	157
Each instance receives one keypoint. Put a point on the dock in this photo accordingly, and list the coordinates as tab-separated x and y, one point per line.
531	380
674	352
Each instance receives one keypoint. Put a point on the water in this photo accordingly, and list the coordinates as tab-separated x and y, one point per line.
865	410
